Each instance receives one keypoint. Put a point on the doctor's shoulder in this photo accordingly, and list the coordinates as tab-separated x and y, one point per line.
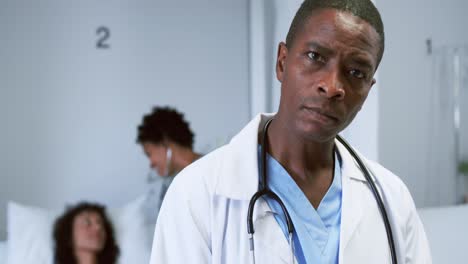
204	169
400	204
196	181
184	221
390	182
394	191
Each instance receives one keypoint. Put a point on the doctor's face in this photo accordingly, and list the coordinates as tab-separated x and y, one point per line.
326	73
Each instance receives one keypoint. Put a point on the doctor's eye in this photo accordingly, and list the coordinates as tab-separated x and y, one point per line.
358	74
315	56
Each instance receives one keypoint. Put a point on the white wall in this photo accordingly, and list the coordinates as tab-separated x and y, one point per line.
68	111
405	79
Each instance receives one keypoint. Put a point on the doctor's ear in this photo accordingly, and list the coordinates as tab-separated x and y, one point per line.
281	61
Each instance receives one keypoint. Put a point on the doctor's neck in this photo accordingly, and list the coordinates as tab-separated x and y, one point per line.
294	150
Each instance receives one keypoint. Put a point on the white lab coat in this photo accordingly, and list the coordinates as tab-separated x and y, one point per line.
203	218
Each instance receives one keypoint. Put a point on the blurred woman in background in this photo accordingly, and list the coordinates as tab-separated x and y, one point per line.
84	235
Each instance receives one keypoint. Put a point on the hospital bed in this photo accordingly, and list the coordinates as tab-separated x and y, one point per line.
446	228
30	235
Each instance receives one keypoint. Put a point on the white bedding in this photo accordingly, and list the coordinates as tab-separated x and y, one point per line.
2	252
29	229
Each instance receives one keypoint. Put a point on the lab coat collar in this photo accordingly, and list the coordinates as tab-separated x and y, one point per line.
238	178
349	166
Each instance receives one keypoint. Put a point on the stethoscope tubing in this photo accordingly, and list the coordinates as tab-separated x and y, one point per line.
265	191
378	197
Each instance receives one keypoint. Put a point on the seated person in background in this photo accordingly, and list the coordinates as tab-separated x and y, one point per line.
167	141
84	235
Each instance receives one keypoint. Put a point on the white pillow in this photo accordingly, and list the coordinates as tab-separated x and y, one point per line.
131	233
30	233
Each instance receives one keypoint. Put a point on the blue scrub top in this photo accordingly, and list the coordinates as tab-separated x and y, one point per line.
317	232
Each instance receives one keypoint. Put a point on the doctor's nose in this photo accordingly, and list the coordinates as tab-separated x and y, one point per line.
331	86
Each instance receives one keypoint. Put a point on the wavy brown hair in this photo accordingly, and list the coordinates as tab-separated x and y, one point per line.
63	235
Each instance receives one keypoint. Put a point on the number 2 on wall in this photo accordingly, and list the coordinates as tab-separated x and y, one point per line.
104	34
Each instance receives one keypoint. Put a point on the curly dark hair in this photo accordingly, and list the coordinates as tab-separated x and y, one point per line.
63	235
165	123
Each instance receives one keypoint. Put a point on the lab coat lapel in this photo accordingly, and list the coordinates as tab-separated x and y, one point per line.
351	211
352	201
271	246
240	182
239	179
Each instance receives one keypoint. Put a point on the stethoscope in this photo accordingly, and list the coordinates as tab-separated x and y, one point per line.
265	191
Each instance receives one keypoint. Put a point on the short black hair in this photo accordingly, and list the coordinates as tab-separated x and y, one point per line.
165	123
363	9
63	235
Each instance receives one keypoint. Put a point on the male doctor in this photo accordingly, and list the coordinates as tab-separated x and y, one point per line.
326	68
